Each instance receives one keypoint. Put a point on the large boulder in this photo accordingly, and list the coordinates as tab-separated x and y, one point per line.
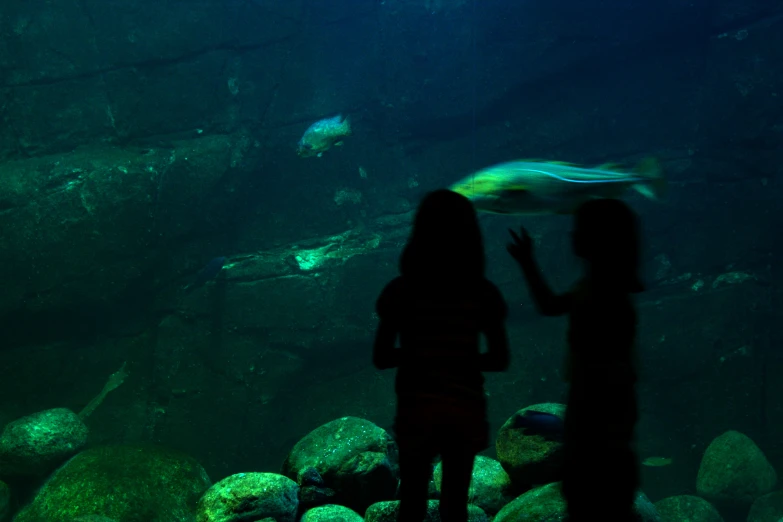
124	483
250	495
546	503
351	459
767	508
387	512
331	513
530	459
34	445
687	507
490	485
734	471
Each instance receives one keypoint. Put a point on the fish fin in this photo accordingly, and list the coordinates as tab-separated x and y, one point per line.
614	167
548	162
563	163
346	123
653	185
339	144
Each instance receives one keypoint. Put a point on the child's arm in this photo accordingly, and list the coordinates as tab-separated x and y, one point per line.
546	301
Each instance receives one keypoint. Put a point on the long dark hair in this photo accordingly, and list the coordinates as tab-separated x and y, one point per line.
607	236
446	240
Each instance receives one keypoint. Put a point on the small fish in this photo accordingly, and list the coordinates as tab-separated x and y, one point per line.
657	462
551	187
322	135
540	423
207	273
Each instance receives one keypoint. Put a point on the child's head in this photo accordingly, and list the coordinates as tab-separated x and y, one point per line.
446	238
606	236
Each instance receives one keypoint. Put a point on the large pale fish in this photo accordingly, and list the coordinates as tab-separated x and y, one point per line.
551	187
323	135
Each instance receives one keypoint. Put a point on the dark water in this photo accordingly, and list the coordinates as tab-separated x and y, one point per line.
140	140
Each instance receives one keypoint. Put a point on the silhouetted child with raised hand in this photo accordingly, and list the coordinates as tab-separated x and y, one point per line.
601	474
438	307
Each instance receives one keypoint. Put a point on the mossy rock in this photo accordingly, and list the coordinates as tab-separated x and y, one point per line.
490	485
352	457
36	444
331	513
124	483
250	496
387	511
687	507
530	459
767	507
734	471
547	504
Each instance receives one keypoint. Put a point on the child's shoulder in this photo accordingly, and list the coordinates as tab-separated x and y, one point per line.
391	297
493	298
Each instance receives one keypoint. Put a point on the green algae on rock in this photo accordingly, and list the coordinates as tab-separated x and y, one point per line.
490	485
34	445
387	512
243	496
546	503
331	513
530	459
734	471
687	507
354	457
124	483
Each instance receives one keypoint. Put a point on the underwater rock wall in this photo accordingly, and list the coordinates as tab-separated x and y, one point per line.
428	86
77	72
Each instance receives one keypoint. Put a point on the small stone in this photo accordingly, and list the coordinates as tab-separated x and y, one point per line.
767	508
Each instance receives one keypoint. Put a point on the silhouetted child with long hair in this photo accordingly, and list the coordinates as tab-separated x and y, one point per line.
438	307
600	475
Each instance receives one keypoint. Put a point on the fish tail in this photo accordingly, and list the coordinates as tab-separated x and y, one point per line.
346	124
653	185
